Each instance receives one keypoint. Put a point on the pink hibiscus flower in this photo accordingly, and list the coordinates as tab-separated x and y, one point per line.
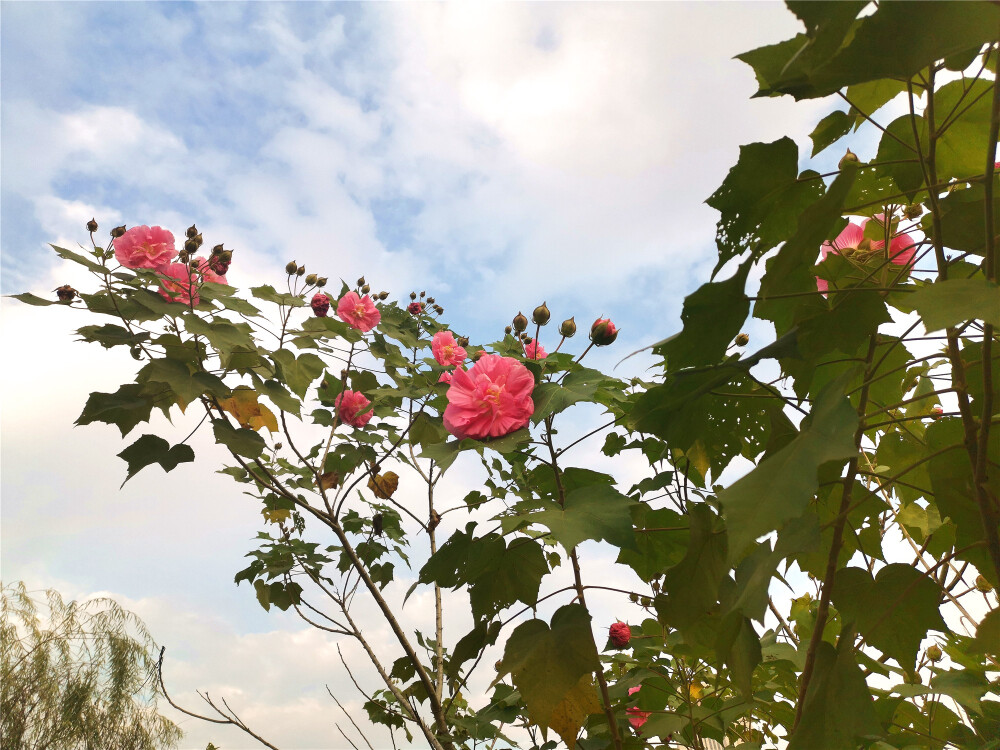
491	399
636	716
534	350
851	242
208	273
446	350
358	312
145	247
351	407
446	377
184	288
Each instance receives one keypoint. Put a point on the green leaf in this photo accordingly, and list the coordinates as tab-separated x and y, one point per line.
962	216
125	408
176	375
550	665
898	147
661	540
893	611
110	335
870	97
151	449
298	372
987	639
80	259
711	318
594	511
838	710
552	398
830	129
966	686
241	441
963	142
691	588
953	301
281	397
761	199
30	299
781	486
270	294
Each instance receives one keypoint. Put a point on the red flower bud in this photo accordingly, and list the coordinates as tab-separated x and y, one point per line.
603	332
320	305
415	308
620	634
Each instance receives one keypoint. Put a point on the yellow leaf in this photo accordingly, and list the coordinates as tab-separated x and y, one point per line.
696	691
276	516
330	480
572	711
383	485
698	457
250	414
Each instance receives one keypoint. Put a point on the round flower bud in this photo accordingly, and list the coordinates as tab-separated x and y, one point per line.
413	295
383	296
913	212
520	322
300	271
118	232
192	232
227	256
320	305
934	652
190	246
423	294
850	159
198	239
645	601
633	597
541	315
742	339
92	226
508	330
603	332
278	446
217	250
311	279
463	341
568	328
321	281
620	634
438	309
65	293
983	585
430	300
291	267
936	411
365	289
361	281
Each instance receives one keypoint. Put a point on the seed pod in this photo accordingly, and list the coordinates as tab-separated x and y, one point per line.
65	293
541	314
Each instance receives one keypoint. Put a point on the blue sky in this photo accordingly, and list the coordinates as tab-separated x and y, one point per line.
495	155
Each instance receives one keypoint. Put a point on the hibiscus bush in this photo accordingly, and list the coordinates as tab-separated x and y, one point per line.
816	527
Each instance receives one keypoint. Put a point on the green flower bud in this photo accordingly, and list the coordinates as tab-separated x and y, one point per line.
568	328
541	315
217	250
603	332
291	267
934	652
365	289
361	281
192	232
190	246
311	279
742	339
300	271
520	322
850	159
321	281
508	330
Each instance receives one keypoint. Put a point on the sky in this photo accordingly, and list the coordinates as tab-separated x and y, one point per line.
496	155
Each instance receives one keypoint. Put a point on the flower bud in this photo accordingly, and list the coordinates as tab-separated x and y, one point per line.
190	246
423	294
415	308
438	309
311	279
278	446
520	322
118	231
983	585
383	296
227	256
913	212
937	411
65	293
508	330
742	339
198	239
541	315
291	267
413	295
568	328
934	652
217	250
192	232
320	305
620	634
603	332
321	281
365	289
92	226
300	271
463	341
850	159
361	281
430	300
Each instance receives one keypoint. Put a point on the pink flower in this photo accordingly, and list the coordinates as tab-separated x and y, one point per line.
636	716
415	308
446	377
851	242
534	350
320	305
446	350
491	399
620	634
358	312
145	247
185	287
208	273
351	407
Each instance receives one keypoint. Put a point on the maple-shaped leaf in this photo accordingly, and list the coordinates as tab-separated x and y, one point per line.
243	405
384	485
